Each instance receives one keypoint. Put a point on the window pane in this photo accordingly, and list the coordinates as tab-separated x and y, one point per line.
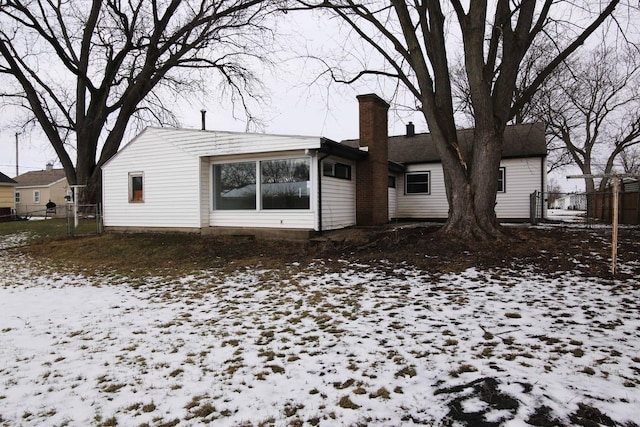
343	171
136	188
234	186
285	184
391	181
417	183
501	188
327	168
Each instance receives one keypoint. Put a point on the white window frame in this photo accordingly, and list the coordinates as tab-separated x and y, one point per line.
406	183
133	175
502	178
36	196
17	197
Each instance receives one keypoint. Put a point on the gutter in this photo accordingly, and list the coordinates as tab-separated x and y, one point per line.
320	159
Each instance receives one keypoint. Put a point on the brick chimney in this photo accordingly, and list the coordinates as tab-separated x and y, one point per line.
372	172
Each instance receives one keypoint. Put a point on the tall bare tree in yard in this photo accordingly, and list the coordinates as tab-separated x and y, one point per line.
591	108
85	71
416	42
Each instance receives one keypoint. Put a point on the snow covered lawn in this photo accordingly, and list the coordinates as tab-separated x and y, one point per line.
379	345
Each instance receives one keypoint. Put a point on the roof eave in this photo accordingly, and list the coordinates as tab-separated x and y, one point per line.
333	148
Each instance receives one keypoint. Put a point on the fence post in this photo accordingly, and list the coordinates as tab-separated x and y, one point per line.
69	224
533	198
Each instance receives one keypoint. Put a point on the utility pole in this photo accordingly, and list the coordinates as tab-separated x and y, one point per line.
17	171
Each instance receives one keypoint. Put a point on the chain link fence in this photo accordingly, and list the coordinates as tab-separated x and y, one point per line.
589	208
84	220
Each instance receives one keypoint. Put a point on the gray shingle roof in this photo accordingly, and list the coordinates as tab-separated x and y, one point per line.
4	179
524	140
39	178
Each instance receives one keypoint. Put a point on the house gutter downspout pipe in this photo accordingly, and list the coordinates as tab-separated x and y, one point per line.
320	159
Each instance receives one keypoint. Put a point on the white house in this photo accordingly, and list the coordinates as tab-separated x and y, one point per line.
226	182
573	201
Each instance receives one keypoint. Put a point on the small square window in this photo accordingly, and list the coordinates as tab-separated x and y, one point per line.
136	187
417	183
502	182
336	170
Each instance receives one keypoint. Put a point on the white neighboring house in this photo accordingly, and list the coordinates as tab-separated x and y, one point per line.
573	201
225	182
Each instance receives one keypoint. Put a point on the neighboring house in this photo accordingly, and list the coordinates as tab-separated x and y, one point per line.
209	181
7	197
34	190
573	201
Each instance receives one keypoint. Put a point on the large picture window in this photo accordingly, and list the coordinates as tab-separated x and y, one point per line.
417	183
284	183
234	186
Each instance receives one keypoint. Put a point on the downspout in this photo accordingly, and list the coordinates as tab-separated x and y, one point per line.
543	190
320	159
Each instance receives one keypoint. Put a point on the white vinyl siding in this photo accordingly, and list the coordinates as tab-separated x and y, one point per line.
213	143
420	205
205	191
171	190
392	195
177	179
339	200
522	177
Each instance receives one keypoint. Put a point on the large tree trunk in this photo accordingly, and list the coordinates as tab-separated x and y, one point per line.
471	183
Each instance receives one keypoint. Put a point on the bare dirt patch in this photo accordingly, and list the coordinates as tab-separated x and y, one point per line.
552	250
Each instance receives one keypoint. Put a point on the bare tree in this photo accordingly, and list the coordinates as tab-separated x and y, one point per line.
591	108
416	42
630	160
554	192
85	71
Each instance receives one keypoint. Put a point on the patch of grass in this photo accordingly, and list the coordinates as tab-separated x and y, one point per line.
462	369
345	402
203	411
149	407
382	393
341	386
164	252
276	369
175	373
109	422
407	371
290	408
112	388
38	230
